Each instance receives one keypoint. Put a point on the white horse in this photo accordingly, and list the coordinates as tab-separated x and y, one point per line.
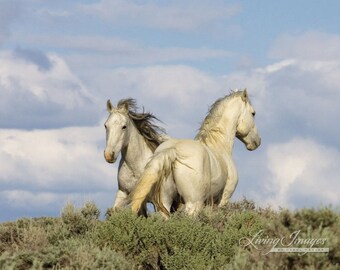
134	136
202	169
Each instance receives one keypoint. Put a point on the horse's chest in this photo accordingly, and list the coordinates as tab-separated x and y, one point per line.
218	176
127	178
217	186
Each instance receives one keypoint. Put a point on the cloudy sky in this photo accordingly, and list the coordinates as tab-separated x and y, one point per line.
61	60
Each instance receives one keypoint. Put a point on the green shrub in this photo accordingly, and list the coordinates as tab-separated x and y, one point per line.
79	221
181	242
79	240
323	223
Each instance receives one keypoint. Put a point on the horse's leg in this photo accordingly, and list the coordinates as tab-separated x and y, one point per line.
191	191
193	208
121	200
143	211
231	183
177	204
167	201
192	178
125	176
168	194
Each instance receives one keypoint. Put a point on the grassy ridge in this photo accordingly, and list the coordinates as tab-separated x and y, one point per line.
79	240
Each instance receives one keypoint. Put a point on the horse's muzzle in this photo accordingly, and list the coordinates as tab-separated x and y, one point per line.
254	145
109	156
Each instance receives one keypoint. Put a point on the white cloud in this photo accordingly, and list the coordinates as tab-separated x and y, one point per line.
177	95
295	98
181	84
44	90
43	168
26	199
142	56
276	67
45	86
303	173
60	160
22	203
176	15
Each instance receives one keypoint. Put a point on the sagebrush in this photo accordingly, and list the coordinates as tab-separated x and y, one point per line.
80	240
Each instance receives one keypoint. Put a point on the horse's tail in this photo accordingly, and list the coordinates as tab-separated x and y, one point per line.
155	172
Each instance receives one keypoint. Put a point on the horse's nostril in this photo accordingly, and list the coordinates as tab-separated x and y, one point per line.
109	156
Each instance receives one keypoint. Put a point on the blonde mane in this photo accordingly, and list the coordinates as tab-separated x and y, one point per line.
209	130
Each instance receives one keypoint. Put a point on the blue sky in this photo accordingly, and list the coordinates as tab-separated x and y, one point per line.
61	60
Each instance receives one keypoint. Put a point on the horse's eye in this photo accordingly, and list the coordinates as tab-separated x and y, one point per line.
124	127
253	113
105	126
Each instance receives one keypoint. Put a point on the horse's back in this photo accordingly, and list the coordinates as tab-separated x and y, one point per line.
187	150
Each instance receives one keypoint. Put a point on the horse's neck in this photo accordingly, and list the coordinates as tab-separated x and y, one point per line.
136	152
223	144
223	137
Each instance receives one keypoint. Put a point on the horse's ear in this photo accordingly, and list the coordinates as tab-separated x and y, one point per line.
245	95
109	106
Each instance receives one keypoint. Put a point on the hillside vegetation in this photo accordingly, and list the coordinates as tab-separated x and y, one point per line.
212	240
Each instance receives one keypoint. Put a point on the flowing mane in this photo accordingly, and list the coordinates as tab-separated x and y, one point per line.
144	123
209	130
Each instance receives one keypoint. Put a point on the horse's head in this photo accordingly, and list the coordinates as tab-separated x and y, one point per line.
246	130
117	130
